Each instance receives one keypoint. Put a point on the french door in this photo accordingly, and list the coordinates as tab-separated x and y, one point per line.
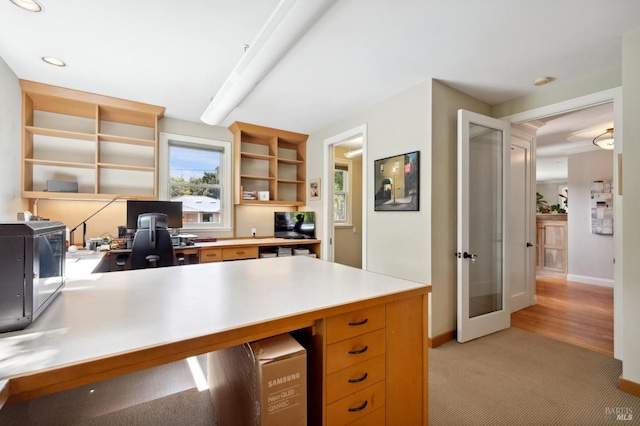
483	188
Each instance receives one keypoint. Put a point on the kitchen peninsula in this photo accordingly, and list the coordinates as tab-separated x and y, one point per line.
106	325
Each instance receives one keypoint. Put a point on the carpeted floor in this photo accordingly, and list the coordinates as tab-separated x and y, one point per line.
515	377
512	378
164	395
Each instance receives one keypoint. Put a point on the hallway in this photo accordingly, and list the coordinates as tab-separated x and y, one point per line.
576	313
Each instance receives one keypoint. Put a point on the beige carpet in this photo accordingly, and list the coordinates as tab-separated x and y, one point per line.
515	377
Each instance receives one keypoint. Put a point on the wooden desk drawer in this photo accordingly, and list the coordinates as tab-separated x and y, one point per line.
210	255
356	406
236	253
341	327
377	418
357	349
186	251
355	378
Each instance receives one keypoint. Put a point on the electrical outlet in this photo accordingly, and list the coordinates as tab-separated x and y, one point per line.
253	232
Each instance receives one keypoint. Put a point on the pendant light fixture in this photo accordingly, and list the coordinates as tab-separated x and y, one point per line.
605	140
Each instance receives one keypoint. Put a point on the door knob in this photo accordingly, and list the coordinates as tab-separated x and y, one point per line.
473	257
529	245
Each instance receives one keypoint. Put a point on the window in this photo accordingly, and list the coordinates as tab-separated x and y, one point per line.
341	201
198	174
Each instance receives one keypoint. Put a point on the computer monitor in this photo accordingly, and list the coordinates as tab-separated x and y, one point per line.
173	210
294	225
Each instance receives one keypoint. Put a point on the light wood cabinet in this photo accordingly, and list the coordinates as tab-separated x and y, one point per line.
210	255
370	365
107	146
551	244
240	253
355	365
267	159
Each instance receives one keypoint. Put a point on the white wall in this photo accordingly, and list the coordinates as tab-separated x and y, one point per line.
560	91
398	243
10	144
590	255
631	208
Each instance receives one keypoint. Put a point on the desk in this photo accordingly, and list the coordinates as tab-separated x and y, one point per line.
112	324
237	249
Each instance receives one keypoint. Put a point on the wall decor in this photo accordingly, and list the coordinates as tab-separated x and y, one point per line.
602	207
314	189
397	183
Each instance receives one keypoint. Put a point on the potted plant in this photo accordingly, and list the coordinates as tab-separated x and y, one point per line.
541	205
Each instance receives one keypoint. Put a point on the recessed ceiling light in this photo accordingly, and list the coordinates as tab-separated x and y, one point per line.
30	5
54	61
541	81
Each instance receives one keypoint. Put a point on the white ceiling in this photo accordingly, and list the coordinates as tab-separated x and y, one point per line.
566	134
360	52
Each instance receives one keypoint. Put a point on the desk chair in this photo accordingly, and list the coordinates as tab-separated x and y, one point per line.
152	246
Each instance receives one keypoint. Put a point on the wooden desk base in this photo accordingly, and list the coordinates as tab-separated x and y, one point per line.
223	250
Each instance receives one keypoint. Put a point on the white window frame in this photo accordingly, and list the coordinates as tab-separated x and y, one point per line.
226	203
348	197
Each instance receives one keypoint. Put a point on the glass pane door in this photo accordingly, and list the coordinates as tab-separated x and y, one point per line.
482	190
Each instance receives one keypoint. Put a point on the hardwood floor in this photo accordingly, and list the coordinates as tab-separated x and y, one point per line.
576	313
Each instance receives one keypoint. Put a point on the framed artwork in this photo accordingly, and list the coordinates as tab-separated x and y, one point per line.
602	207
397	182
314	189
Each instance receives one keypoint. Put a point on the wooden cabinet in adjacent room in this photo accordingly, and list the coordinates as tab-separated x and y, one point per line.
551	243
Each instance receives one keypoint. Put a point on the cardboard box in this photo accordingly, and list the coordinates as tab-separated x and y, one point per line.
260	383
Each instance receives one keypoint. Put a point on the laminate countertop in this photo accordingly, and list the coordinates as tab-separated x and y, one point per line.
106	324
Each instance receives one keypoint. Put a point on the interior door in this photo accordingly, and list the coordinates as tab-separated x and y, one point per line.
521	221
483	189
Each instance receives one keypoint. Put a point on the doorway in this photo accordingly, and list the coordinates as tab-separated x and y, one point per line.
344	206
563	110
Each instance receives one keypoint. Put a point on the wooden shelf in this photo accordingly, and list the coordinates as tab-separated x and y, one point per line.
126	140
75	118
60	133
257	156
258	153
125	167
290	181
257	177
60	163
289	161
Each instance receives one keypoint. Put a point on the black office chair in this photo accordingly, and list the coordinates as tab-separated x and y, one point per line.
152	246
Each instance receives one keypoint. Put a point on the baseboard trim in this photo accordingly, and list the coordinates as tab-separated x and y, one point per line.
629	387
441	339
590	280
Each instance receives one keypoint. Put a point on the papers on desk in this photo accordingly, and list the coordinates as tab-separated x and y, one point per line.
287	251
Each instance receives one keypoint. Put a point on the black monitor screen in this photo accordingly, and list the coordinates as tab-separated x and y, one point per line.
173	210
294	225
